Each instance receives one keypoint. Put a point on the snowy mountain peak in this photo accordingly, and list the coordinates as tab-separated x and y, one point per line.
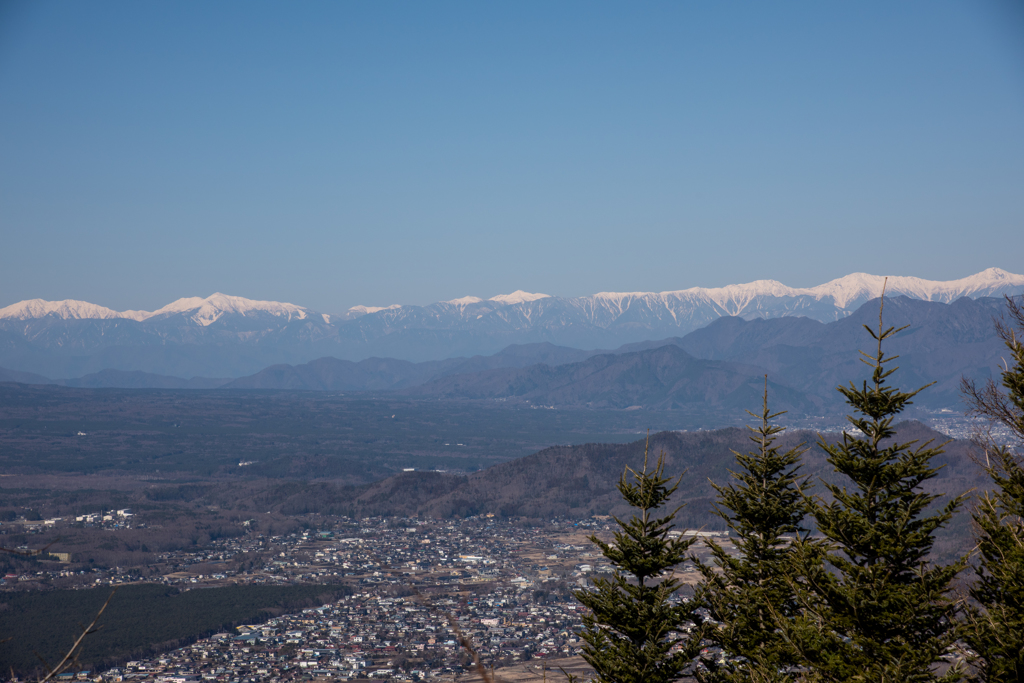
857	286
727	297
518	297
862	286
464	301
845	292
204	311
990	277
993	275
66	309
207	311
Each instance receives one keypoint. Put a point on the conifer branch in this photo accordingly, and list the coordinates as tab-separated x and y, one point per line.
71	657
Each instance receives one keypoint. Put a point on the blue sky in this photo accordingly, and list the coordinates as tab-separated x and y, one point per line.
342	153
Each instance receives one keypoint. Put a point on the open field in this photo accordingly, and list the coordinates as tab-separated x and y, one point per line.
535	671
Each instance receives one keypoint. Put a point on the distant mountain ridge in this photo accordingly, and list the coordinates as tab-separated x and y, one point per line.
722	366
719	368
228	336
389	374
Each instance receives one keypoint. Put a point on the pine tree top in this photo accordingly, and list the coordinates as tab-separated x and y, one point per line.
634	632
874	607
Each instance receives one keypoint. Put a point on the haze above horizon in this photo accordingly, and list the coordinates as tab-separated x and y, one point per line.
342	154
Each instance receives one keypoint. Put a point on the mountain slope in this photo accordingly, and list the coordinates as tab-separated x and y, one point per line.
120	379
580	480
332	374
23	377
941	343
666	377
384	374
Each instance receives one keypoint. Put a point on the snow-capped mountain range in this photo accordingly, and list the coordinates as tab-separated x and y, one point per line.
224	336
202	311
758	299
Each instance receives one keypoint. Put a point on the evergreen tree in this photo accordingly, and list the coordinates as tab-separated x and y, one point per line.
749	592
874	608
994	629
635	631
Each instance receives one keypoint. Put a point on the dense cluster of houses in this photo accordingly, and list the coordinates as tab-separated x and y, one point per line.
368	635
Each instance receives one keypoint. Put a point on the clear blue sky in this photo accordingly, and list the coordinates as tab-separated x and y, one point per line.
341	153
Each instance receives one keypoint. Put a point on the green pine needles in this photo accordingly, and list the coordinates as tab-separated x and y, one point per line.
635	631
994	628
994	625
748	593
860	600
874	609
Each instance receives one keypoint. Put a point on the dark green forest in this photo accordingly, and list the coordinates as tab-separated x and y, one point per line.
139	621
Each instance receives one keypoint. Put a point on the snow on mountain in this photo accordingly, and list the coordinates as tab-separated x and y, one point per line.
845	293
66	309
203	311
518	297
179	306
683	309
357	311
862	286
464	301
207	311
